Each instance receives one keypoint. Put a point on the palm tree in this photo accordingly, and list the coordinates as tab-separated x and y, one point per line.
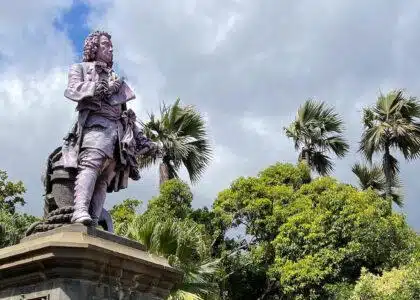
181	132
392	123
317	131
373	177
186	247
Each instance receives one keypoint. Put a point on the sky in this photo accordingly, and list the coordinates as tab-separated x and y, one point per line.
246	65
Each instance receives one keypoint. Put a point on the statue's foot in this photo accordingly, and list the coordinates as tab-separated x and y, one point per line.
84	219
87	221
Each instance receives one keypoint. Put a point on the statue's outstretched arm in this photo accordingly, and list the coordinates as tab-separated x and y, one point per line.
78	89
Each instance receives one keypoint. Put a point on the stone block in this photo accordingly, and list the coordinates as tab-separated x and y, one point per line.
77	262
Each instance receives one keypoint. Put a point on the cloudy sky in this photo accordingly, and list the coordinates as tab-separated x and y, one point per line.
246	65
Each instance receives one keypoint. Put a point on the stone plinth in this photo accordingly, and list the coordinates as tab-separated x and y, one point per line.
77	262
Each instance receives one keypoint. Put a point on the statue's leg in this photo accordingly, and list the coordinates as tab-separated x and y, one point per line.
99	194
91	162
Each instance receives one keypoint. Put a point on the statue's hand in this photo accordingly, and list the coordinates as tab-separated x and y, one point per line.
114	86
101	88
151	149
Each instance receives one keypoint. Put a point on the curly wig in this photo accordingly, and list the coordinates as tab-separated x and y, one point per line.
92	45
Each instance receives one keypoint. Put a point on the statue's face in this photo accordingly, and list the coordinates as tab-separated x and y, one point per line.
105	50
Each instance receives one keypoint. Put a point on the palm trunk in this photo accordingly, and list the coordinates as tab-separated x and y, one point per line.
386	165
163	173
304	157
307	158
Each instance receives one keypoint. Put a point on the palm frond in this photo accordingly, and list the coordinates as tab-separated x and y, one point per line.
186	246
369	177
321	163
336	143
393	120
293	133
316	131
372	141
373	177
181	131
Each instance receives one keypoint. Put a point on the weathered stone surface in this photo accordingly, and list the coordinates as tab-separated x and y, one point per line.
77	262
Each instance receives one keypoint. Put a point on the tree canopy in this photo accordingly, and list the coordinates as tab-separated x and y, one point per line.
309	235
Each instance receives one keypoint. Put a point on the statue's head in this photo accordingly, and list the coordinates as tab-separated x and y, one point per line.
98	47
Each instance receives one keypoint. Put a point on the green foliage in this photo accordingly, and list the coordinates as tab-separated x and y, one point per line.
12	224
214	226
11	193
183	242
167	230
339	291
310	235
186	246
13	227
251	201
240	277
123	214
174	200
316	132
182	133
204	216
396	284
332	231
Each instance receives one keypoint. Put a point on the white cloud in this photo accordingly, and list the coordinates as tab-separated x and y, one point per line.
258	125
31	94
34	114
29	40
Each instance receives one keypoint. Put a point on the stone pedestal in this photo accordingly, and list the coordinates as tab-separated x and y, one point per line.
76	262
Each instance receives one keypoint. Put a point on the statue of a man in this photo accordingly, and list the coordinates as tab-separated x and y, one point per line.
104	141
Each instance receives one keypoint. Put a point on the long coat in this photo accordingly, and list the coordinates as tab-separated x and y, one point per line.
80	88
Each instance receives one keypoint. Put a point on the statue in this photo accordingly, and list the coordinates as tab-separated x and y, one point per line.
100	151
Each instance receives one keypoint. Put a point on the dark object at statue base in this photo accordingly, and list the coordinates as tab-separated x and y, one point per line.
59	197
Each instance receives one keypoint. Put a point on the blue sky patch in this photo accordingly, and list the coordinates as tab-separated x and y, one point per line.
74	23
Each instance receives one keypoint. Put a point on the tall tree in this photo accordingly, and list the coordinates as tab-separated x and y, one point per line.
182	133
373	177
392	123
316	132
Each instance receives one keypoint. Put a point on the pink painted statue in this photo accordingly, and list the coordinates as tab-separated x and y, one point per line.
104	141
